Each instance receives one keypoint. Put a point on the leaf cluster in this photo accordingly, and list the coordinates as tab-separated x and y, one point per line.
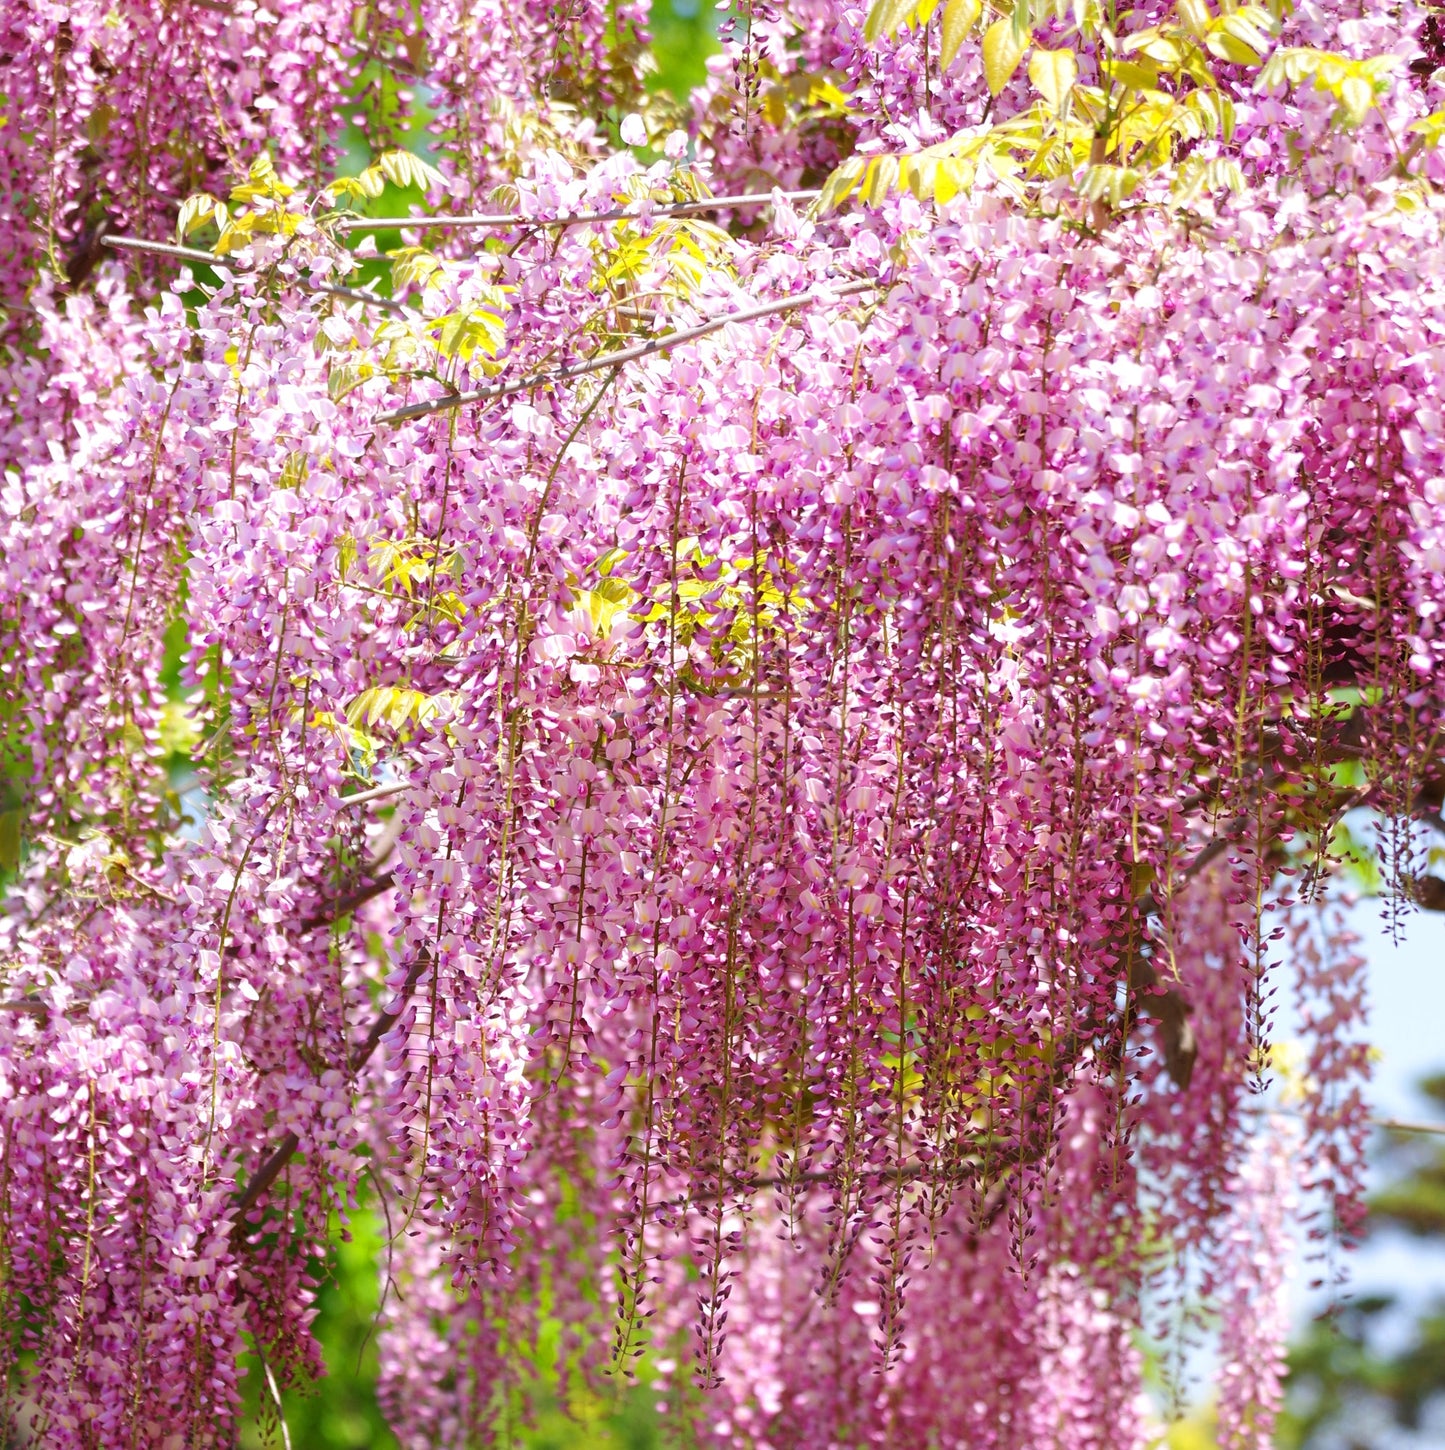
1108	106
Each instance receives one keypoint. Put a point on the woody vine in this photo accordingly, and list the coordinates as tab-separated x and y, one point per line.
768	692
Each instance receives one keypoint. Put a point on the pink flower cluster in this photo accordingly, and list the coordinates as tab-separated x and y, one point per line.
772	854
115	113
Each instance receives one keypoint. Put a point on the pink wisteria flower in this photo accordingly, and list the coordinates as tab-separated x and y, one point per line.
748	768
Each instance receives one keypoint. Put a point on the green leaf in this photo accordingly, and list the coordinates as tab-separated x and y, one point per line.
1002	52
1053	73
197	211
959	17
402	168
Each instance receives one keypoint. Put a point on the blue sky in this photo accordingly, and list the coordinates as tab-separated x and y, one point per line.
1407	1011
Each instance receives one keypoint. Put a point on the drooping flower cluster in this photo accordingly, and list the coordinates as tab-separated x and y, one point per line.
771	849
114	114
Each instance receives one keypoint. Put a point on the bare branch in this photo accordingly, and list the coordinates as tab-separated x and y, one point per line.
377	793
329	911
209	259
1401	1125
280	1155
616	359
637	211
169	249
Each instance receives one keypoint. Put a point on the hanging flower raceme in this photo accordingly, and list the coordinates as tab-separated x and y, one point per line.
116	113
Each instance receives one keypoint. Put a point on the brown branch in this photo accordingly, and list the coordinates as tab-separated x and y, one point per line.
340	906
220	264
1428	892
280	1155
570	219
31	1006
1168	1007
1401	1125
616	359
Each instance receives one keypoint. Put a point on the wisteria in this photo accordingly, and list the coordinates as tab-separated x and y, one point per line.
749	775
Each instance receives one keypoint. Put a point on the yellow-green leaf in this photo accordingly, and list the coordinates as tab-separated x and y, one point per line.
396	706
346	375
1229	47
1002	52
412	266
401	168
1195	177
1195	16
882	177
1109	183
261	183
949	179
1213	112
1356	96
884	18
840	185
822	92
1431	127
1052	73
196	211
480	328
369	185
1140	75
1241	38
959	17
295	471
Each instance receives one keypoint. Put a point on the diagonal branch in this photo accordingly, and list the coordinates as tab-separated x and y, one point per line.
508	220
220	264
623	355
280	1155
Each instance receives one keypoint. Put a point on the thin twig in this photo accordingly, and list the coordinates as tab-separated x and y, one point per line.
169	249
1402	1125
376	793
342	905
209	259
616	359
570	219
